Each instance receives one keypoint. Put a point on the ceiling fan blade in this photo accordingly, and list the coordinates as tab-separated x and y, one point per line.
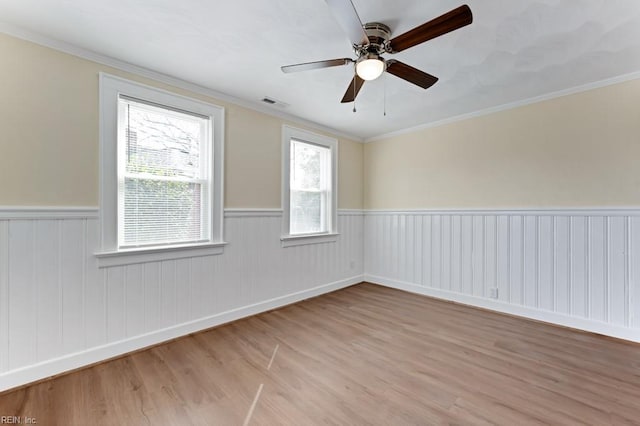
450	21
352	91
411	74
346	15
315	65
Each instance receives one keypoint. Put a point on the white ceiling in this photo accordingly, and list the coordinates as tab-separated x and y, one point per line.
514	50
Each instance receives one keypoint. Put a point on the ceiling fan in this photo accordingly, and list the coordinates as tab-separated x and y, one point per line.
373	39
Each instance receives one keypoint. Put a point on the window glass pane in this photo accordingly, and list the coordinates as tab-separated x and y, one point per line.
162	142
305	165
308	188
306	212
161	211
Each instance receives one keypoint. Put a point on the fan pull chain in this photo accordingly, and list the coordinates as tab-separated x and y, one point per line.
385	94
354	94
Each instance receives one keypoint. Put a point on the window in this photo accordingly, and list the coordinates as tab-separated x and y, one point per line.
309	187
161	174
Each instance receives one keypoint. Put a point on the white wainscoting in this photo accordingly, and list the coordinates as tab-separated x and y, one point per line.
578	268
59	311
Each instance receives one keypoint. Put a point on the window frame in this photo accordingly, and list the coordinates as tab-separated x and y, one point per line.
110	253
292	133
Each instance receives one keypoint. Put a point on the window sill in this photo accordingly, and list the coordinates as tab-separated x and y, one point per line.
300	240
143	255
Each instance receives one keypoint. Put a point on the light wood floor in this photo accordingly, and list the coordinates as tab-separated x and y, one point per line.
363	355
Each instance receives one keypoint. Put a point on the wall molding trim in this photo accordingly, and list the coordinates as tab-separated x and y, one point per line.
103	353
89	55
351	212
89	212
552	318
538	211
510	105
48	212
252	212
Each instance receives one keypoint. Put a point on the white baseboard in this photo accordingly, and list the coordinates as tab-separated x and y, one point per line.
77	360
518	310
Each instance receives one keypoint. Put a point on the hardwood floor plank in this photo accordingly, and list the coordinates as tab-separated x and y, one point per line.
362	355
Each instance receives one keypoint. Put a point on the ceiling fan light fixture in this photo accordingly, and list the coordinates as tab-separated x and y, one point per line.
369	67
373	39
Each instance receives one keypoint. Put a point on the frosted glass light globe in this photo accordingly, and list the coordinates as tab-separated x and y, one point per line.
370	69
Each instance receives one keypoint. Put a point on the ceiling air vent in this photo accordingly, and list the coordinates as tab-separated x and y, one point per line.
270	101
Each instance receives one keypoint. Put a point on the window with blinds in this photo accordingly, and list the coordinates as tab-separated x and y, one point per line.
164	175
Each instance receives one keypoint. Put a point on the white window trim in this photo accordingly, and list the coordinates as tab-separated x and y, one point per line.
109	253
287	239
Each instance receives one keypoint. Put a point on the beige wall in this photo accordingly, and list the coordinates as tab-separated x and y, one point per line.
575	151
49	138
351	174
581	150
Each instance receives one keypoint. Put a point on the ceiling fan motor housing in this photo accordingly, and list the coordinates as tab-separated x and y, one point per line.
379	35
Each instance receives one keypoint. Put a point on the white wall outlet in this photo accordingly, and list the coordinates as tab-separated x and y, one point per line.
493	292
352	264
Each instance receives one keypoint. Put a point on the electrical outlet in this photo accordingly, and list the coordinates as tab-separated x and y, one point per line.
352	264
493	292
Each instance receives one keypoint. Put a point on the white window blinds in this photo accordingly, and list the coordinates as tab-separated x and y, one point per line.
164	175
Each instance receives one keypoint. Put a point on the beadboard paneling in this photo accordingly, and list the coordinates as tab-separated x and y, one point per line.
552	265
58	310
4	296
634	271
